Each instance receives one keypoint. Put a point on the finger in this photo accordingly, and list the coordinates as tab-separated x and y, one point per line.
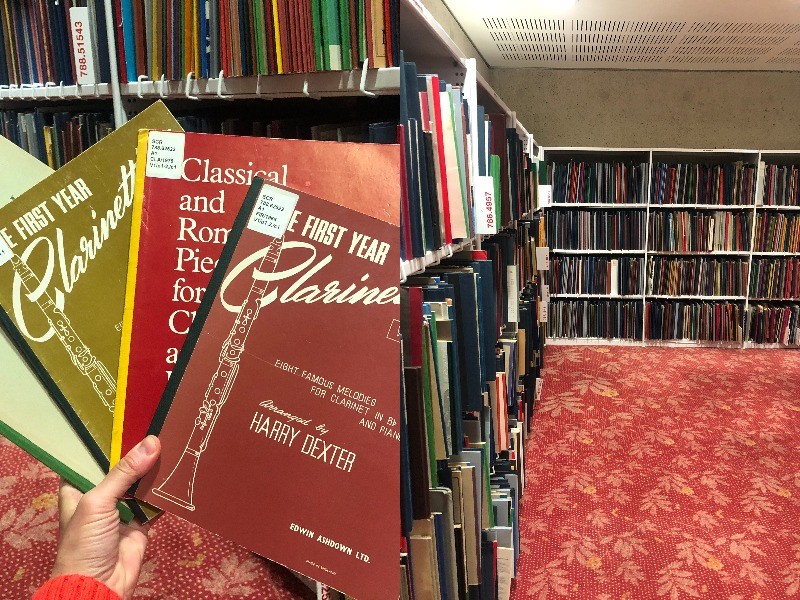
126	472
68	498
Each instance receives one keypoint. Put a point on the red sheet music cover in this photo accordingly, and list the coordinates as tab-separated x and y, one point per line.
279	426
184	224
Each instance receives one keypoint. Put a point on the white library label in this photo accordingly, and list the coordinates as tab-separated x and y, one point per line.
543	311
513	295
485	221
165	151
6	253
82	44
545	195
545	293
273	211
542	258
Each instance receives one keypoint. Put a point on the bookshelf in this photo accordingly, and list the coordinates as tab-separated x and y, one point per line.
434	51
745	214
426	43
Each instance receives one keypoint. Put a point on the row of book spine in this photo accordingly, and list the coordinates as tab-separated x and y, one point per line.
43	41
625	182
598	182
730	183
471	333
685	231
610	319
681	231
696	321
250	38
775	278
596	230
439	146
770	324
777	232
54	138
696	276
596	275
781	185
675	320
769	279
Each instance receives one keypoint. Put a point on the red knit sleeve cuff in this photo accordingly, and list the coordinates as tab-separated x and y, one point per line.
74	587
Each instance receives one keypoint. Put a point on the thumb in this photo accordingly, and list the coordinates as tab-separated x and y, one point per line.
127	471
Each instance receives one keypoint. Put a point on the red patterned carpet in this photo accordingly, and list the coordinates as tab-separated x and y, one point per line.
664	473
654	473
183	562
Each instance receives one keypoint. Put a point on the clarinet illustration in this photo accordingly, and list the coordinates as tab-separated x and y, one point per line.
105	386
178	487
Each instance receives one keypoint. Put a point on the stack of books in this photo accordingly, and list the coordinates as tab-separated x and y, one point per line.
467	426
447	161
67	42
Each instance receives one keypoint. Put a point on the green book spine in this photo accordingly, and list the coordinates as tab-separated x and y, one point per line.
331	35
258	16
426	392
362	30
344	24
316	23
487	486
456	110
494	171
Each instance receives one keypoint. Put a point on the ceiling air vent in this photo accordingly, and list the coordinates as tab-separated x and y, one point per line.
700	37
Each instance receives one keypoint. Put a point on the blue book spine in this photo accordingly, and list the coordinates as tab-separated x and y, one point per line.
129	40
205	38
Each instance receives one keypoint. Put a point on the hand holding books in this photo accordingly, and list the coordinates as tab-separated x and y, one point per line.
93	542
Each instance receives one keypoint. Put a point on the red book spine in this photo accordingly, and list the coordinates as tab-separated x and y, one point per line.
437	116
387	20
272	64
117	24
368	28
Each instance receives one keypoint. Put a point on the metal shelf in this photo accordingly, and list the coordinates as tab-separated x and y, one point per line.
416	266
773	299
601	296
565	251
710	253
639	342
770	346
776	253
703	206
776	207
641	206
668	297
52	92
291	85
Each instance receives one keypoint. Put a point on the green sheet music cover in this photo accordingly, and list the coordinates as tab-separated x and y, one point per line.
63	264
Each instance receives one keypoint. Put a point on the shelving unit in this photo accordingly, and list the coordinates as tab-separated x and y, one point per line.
442	56
434	51
672	156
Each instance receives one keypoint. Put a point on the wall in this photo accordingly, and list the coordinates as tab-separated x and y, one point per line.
667	109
